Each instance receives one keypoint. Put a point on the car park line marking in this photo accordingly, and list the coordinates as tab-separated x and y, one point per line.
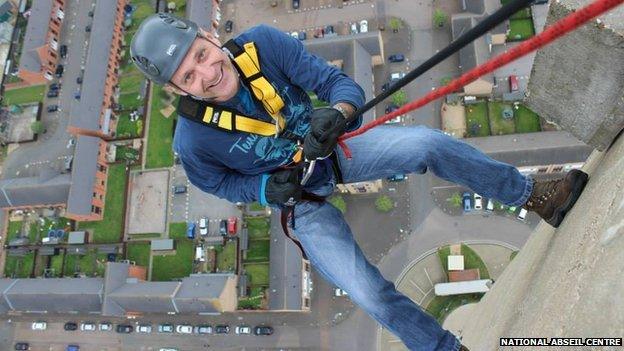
416	285
429	278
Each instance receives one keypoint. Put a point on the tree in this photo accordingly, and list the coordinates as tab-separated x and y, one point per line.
37	127
399	98
384	203
338	202
395	24
439	18
455	200
445	80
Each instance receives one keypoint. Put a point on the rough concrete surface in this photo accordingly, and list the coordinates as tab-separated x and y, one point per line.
581	75
565	282
148	202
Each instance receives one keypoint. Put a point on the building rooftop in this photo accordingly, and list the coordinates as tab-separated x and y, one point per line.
36	34
48	188
200	12
83	172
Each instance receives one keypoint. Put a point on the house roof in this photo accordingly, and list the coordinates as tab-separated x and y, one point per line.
84	169
36	34
59	295
76	237
476	52
286	288
86	113
147	297
199	291
34	190
200	12
162	244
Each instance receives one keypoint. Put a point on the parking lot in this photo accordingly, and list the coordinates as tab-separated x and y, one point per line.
148	202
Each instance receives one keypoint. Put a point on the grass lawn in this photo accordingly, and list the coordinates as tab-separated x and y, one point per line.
443	254
258	273
498	124
160	134
86	263
166	268
442	306
527	121
109	229
14	230
226	257
472	260
129	83
258	251
56	263
125	153
139	253
70	265
21	266
125	127
258	227
524	13
100	264
253	301
178	230
130	101
255	206
477	120
23	95
520	29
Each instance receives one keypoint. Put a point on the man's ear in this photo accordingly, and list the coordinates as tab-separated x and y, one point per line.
171	89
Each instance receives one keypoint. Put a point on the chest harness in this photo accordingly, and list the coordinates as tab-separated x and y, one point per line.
247	63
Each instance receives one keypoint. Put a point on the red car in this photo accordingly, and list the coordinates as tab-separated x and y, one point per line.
231	226
513	83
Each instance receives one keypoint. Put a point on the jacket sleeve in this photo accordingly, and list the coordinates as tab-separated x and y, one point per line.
312	73
225	183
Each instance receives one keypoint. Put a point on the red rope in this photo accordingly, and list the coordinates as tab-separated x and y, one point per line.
560	28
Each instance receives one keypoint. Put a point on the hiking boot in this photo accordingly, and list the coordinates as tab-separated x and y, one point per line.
463	348
553	199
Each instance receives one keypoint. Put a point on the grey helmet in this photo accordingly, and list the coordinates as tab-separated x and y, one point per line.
160	44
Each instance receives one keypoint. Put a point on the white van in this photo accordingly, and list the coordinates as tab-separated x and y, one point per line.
200	254
522	214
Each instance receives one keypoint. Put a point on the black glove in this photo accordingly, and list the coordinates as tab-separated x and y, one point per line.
321	128
283	187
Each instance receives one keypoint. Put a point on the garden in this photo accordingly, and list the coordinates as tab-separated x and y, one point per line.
256	262
19	96
499	118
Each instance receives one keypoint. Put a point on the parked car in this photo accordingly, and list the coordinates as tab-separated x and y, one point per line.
295	34
329	30
88	28
385	86
263	330
478	202
22	346
87	326
490	205
302	35
522	214
396	177
63	51
90	14
295	4
513	82
68	162
71	142
144	328
105	326
511	209
77	95
52	93
59	71
167	349
72	348
124	328
391	108
354	28
339	292
396	58
55	86
232	225
179	189
242	329
52	108
319	33
79	80
184	329
39	325
228	26
466	201
190	230
222	329
223	227
363	26
200	255
203	329
69	326
203	226
165	328
396	76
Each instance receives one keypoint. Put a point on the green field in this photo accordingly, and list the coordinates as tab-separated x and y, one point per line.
130	101
524	13
226	257
14	229
166	268
160	134
442	306
472	260
477	120
56	263
498	124
125	127
110	228
257	227
258	273
25	95
520	29
527	121
258	251
178	230
21	266
139	253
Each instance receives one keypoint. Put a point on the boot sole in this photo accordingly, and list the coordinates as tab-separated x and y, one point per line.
579	182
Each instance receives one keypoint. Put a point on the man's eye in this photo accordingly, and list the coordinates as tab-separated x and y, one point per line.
202	55
187	77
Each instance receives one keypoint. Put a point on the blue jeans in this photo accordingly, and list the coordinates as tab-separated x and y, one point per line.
379	153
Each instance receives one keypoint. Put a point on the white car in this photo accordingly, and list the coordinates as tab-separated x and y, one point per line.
363	26
354	28
39	326
87	326
522	214
105	326
203	226
490	205
165	349
243	329
165	328
144	328
184	329
478	204
295	35
396	76
71	142
339	292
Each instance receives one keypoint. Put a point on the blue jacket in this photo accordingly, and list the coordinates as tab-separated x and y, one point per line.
235	166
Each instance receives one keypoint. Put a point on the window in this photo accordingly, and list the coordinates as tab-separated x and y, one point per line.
94	194
102	182
96	210
306	302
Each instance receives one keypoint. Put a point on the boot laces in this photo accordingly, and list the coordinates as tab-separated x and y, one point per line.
546	190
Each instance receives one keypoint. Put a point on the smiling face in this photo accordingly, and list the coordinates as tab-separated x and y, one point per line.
206	71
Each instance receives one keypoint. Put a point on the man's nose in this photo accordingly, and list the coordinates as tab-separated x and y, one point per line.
208	73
